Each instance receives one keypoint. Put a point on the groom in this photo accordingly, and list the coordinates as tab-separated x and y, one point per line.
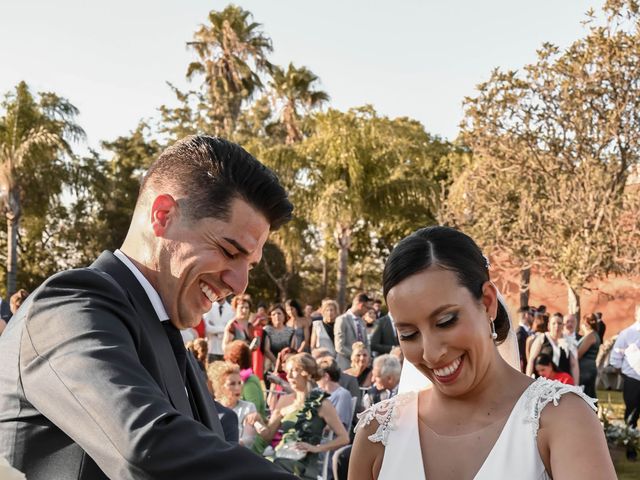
94	379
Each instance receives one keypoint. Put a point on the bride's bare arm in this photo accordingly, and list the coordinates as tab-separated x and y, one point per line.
563	456
366	456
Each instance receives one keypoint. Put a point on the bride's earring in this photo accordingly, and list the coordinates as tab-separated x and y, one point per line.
494	335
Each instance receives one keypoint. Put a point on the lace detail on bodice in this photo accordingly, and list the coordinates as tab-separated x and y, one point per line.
386	414
542	392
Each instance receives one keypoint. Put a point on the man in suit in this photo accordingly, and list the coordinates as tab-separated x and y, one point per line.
94	379
350	328
522	333
384	336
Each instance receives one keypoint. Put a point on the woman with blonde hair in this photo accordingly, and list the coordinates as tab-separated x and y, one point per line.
360	364
227	387
322	330
302	416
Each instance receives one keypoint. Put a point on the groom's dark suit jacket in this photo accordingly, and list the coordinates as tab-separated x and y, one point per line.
90	388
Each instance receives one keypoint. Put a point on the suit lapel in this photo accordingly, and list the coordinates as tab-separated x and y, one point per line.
171	379
352	324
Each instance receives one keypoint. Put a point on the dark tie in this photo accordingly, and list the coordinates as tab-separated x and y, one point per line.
177	345
220	309
359	335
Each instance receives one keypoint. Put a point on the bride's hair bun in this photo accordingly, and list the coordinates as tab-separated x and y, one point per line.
449	249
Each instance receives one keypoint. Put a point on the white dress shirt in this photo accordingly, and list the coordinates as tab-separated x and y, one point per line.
154	298
215	321
625	351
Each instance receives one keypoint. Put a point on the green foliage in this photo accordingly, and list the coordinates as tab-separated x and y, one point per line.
36	160
554	145
231	51
369	180
292	91
359	181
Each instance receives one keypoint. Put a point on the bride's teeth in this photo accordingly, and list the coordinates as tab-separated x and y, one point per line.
448	370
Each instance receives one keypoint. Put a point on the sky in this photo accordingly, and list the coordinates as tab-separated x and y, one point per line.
416	58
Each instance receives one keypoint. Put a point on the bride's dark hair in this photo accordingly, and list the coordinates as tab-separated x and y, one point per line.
449	249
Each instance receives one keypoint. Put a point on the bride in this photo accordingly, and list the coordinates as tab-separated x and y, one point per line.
478	417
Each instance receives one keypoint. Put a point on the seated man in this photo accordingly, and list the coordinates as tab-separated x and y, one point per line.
385	377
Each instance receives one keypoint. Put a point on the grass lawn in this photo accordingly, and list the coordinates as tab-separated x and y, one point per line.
612	401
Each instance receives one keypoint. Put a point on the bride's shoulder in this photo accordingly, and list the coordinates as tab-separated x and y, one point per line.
543	392
380	419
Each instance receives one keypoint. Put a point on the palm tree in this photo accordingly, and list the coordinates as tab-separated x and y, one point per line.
365	172
232	52
29	129
293	88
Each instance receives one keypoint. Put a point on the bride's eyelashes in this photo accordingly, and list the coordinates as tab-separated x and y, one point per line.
447	320
405	337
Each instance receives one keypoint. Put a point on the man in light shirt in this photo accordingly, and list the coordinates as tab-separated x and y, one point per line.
215	321
626	358
569	331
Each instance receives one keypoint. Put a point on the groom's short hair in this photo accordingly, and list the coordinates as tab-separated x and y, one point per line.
205	174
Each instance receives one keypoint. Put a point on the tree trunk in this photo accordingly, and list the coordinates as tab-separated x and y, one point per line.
280	282
343	239
525	277
573	302
325	275
12	254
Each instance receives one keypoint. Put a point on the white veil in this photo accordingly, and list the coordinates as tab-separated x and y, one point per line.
411	379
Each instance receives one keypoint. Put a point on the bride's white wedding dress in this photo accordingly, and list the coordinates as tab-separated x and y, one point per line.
514	455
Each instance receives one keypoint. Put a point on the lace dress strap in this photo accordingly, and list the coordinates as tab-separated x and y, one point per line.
542	392
385	413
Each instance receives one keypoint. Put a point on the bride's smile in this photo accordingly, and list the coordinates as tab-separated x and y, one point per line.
449	373
443	330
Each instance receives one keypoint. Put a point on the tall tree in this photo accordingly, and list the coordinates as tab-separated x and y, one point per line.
232	52
364	170
294	91
556	142
34	138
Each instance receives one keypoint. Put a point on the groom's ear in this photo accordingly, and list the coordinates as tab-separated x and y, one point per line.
490	298
164	212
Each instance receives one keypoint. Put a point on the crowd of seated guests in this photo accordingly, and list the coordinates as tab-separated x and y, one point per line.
278	387
282	393
281	378
302	417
